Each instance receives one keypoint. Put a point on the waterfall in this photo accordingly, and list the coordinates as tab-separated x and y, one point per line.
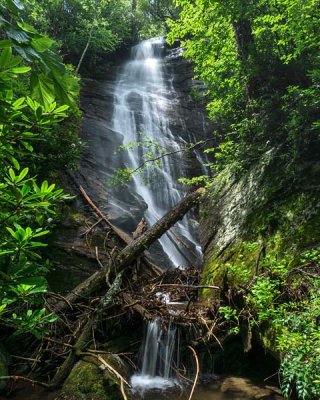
160	358
142	100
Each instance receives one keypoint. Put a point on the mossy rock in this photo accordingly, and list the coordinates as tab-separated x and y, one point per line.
90	381
254	211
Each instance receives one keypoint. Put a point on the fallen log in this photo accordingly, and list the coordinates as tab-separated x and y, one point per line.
132	251
130	303
85	337
136	247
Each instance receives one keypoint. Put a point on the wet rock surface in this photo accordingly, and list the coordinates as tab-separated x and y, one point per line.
244	388
226	213
253	209
186	118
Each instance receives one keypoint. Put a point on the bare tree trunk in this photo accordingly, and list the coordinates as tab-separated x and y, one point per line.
85	49
245	46
244	37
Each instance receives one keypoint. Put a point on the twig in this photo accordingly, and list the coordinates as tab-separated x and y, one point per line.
300	270
58	342
59	296
124	236
210	331
25	358
97	258
23	378
122	390
91	227
117	374
188	286
106	352
197	371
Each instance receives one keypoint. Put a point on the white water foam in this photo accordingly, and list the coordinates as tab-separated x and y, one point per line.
148	382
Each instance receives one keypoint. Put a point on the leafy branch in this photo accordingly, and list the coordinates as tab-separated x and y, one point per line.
124	175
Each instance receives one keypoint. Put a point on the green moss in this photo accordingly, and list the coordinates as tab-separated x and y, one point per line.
255	233
286	229
89	382
242	255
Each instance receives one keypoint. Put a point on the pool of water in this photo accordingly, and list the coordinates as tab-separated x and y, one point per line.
202	392
207	392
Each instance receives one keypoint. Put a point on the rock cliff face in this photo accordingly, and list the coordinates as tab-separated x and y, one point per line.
263	212
185	117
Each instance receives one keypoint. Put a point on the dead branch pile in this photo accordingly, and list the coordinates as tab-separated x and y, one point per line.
121	291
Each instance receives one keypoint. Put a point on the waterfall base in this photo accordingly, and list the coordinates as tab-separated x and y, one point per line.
160	358
148	382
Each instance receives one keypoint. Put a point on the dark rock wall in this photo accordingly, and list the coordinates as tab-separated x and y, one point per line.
187	119
263	208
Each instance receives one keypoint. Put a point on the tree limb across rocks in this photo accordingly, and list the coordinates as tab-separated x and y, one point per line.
127	239
122	235
134	249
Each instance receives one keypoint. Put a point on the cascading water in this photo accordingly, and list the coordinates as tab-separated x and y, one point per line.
140	107
142	100
160	358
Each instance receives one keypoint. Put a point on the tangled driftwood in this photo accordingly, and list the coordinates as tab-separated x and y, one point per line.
112	291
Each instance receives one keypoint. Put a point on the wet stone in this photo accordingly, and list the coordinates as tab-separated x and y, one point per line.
243	388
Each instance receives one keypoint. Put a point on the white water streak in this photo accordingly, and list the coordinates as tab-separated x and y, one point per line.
140	109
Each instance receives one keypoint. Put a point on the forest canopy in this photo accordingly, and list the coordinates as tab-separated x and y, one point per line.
260	60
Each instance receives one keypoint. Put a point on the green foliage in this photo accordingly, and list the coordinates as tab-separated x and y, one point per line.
151	155
260	61
33	321
289	305
299	344
263	296
28	115
153	16
238	274
108	23
49	78
202	180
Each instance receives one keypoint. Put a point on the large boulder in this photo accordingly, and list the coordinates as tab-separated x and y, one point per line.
90	379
